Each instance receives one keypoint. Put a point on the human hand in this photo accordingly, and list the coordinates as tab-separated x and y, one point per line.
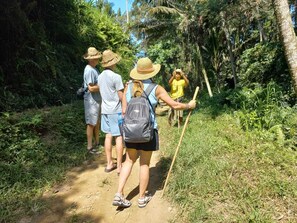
192	104
128	82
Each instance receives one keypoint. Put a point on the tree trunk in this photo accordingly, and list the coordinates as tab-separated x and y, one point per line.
229	44
288	37
260	26
203	71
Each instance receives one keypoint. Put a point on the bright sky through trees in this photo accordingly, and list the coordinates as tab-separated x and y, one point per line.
120	4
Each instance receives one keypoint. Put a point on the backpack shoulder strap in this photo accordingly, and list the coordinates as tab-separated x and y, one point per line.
149	89
131	88
147	92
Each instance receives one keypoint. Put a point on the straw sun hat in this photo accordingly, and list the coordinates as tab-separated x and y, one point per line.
144	69
179	71
92	53
109	58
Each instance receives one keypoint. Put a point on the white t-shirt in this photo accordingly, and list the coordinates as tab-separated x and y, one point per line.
109	84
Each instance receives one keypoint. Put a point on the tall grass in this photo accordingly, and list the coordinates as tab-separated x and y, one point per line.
37	147
222	173
226	174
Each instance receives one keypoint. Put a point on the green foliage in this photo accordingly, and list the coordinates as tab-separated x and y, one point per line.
264	109
37	147
261	108
261	64
166	53
41	62
225	174
235	38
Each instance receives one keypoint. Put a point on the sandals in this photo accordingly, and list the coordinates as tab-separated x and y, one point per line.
93	151
106	170
120	201
142	202
98	146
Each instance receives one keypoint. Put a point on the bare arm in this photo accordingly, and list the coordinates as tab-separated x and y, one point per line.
124	100
93	88
186	79
162	94
120	94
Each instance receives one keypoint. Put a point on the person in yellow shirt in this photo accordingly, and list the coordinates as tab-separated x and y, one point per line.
178	82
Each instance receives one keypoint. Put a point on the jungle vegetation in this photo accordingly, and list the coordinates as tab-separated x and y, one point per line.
42	43
236	51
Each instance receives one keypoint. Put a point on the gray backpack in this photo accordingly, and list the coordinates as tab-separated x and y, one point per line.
138	124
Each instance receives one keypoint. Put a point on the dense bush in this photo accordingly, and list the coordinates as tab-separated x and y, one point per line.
42	45
263	63
37	147
265	108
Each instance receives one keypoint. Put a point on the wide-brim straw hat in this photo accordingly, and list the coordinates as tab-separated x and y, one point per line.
178	71
92	53
109	58
144	69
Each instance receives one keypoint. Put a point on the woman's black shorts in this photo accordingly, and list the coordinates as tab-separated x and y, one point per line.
152	145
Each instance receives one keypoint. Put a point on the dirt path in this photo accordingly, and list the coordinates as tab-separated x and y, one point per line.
87	194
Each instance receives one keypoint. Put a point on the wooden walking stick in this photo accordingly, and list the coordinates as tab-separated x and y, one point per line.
178	124
179	143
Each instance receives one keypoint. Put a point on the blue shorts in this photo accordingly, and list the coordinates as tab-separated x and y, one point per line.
109	124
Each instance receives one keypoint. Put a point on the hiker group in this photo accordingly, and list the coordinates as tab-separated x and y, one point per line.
126	113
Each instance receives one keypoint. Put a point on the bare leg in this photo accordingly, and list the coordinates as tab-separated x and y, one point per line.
90	132
170	116
119	147
131	157
144	174
108	150
96	133
180	119
175	115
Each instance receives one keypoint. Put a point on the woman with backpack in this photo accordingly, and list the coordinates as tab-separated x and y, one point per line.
142	76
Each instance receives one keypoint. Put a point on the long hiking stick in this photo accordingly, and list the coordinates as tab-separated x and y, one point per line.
178	124
179	143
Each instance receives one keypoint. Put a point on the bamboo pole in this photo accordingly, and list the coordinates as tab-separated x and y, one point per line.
178	124
179	143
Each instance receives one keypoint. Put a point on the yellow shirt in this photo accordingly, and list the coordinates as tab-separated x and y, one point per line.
177	88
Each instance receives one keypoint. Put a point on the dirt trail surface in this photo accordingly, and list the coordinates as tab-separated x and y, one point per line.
87	194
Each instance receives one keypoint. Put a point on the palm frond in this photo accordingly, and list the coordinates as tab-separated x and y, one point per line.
163	9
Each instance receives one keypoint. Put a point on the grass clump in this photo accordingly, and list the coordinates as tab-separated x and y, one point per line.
226	174
37	147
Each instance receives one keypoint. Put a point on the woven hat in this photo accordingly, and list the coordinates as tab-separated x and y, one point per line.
109	58
92	53
144	69
178	71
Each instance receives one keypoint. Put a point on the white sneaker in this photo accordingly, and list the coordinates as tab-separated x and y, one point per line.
120	201
142	202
